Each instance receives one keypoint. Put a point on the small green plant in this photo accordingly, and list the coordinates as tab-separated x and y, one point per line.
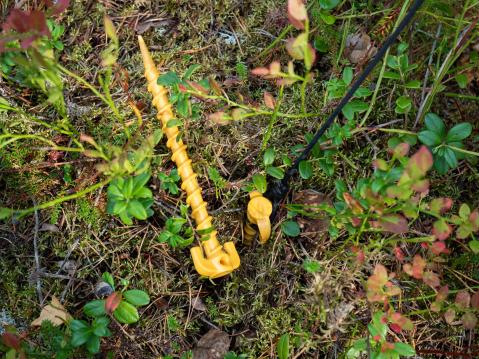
401	71
217	179
170	182
129	197
89	335
175	234
446	146
282	348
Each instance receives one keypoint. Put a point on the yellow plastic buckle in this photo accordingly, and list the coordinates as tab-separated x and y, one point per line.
259	210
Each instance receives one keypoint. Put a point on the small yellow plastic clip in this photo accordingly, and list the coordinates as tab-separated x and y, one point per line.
211	259
259	210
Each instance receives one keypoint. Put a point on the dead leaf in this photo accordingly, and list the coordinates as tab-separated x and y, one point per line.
212	345
198	304
359	48
53	312
311	199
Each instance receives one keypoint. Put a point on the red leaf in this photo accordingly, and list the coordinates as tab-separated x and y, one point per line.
394	223
475	300
395	328
399	254
417	268
269	100
11	340
260	71
469	320
33	22
431	279
297	13
441	229
60	6
419	163
463	299
474	220
439	247
112	302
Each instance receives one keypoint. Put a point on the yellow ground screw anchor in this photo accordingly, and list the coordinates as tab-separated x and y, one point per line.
259	210
212	260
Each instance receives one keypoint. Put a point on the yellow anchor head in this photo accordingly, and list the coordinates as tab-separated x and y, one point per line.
259	210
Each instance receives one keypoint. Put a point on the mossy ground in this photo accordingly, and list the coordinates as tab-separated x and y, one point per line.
271	294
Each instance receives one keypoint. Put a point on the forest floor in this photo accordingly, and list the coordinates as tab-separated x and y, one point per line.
309	286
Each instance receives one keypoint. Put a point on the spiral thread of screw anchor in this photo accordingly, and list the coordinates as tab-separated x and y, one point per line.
179	155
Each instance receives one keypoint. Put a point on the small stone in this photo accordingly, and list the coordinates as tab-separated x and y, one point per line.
103	289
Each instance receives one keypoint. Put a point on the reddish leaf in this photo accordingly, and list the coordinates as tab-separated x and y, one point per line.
297	13
260	71
439	247
435	307
220	118
441	229
60	6
112	302
380	164
275	68
450	315
399	254
463	299
440	205
11	340
32	22
475	300
401	150
469	320
394	223
197	87
442	293
216	87
293	49
421	186
417	268
269	100
419	163
353	203
431	279
474	220
401	321
355	221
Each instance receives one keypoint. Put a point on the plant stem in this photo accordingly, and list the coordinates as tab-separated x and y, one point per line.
24	212
467	152
272	121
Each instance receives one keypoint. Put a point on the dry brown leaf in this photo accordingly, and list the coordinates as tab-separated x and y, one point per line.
212	345
53	312
198	304
359	48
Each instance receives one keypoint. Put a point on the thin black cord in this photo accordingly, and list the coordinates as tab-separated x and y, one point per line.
278	191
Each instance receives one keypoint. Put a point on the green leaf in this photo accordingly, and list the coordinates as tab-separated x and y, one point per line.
275	172
435	124
95	308
268	157
191	69
311	266
459	132
125	218
363	92
93	344
136	209
81	332
305	169
450	157
174	122
5	213
461	80
328	4
429	138
282	348
403	105
168	79
136	297
404	349
413	84
347	75
392	75
126	313
100	327
327	17
259	182
114	191
320	45
290	228
474	245
107	277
